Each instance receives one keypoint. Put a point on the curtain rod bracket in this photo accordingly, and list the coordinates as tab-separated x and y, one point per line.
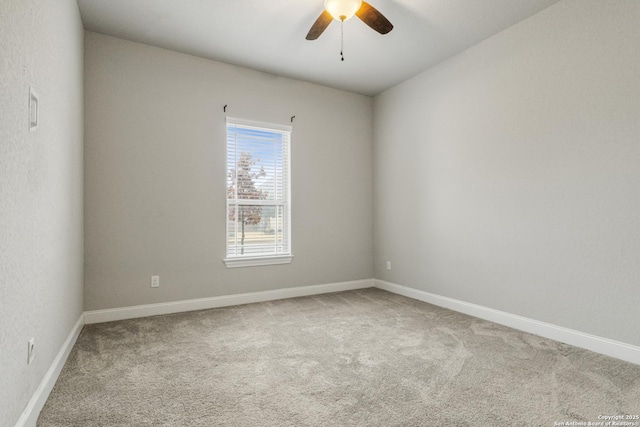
224	108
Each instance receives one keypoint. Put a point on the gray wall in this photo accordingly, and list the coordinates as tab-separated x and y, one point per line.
509	175
40	191
155	176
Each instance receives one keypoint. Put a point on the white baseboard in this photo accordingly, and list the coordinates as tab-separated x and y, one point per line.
109	315
617	349
30	414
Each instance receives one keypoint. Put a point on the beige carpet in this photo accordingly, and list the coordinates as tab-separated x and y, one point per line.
358	358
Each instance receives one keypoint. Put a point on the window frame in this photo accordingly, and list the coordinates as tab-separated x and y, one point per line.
263	259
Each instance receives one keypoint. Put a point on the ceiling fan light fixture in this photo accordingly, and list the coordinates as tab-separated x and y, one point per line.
341	10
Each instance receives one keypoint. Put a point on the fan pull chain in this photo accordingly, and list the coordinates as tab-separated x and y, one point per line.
341	38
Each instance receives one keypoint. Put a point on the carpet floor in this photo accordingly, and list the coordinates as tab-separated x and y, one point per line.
357	358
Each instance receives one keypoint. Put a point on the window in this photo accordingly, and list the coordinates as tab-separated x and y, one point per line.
258	194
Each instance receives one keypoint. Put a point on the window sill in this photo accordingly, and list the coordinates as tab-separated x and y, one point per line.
256	261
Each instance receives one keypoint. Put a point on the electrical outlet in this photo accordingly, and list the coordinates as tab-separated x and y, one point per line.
155	281
388	265
31	348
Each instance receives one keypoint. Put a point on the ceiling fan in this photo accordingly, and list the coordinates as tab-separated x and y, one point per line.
342	10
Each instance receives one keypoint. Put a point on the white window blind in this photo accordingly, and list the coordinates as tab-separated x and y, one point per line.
258	193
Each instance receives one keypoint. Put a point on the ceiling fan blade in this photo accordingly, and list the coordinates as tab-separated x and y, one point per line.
320	25
370	16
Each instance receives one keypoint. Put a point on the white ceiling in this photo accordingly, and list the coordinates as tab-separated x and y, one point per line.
269	35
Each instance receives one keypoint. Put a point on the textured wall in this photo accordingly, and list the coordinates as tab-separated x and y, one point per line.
40	191
508	176
155	176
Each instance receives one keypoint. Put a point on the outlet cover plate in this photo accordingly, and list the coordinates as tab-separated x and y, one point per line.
31	347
